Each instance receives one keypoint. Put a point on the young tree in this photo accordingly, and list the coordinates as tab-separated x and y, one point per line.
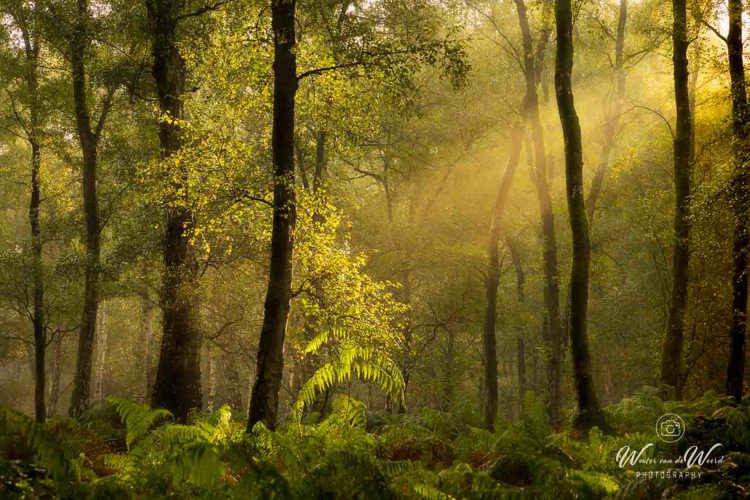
489	341
671	361
589	413
25	17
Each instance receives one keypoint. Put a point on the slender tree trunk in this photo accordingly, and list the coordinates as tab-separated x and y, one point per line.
31	50
589	412
520	342
740	203
553	327
147	337
88	139
54	391
101	353
489	340
521	360
40	334
264	400
613	116
211	396
671	367
234	386
178	378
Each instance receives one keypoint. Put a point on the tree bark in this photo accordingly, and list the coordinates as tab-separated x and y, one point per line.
553	332
33	136
54	391
740	203
88	139
589	413
489	340
520	342
40	334
264	399
211	361
147	337
671	367
101	353
613	116
178	378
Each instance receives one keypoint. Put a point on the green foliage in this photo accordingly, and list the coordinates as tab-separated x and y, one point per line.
138	418
431	455
364	363
42	458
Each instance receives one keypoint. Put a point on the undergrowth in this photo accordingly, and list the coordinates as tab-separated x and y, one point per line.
122	450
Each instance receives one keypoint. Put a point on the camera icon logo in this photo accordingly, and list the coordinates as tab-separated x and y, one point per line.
670	427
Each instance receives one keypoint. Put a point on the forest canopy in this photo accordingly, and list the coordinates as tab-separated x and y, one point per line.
374	249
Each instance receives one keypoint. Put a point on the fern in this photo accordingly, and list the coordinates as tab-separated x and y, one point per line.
37	438
138	418
354	361
427	492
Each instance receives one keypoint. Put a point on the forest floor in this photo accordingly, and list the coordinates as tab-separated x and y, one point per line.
120	449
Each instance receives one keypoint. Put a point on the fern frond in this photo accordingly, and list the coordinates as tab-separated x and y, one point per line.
138	418
428	492
353	361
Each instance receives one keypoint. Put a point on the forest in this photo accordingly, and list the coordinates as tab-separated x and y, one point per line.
374	249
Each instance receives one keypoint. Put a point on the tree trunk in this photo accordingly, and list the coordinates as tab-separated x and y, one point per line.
589	413
54	391
553	327
489	340
211	396
264	400
147	337
31	50
178	379
88	139
40	335
234	386
613	116
520	342
101	354
671	367
740	203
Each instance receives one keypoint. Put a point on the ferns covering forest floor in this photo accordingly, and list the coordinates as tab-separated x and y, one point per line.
120	449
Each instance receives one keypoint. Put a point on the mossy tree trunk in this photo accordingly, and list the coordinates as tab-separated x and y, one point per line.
671	366
740	198
589	413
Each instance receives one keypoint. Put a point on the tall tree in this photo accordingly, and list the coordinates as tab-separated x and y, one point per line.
264	399
740	198
25	18
489	340
177	384
671	361
589	413
533	59
88	136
